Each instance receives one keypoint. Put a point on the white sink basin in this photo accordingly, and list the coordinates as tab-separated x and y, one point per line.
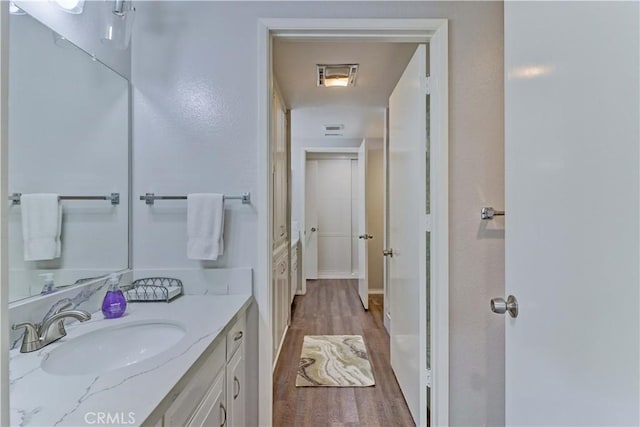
112	347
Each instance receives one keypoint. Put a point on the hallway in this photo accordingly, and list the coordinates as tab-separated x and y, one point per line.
333	307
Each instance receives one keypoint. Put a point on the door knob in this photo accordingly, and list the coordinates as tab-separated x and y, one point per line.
365	236
388	252
313	229
500	306
489	213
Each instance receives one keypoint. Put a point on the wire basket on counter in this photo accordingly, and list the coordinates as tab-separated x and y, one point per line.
154	289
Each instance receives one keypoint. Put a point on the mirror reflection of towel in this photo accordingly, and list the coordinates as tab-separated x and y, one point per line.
205	226
41	226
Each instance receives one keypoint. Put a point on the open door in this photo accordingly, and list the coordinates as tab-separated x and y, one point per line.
407	195
363	236
310	234
572	213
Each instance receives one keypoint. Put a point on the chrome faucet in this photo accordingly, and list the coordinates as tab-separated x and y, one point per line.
51	329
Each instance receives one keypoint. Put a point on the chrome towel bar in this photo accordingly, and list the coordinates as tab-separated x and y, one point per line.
114	198
150	198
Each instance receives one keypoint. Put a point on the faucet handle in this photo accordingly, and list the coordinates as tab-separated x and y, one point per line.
31	338
28	326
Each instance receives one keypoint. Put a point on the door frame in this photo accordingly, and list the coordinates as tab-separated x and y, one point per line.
4	262
435	32
304	156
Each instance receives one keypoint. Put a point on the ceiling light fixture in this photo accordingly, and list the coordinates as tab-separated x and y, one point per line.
340	75
71	6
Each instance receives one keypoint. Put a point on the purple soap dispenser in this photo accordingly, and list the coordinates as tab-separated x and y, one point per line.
114	303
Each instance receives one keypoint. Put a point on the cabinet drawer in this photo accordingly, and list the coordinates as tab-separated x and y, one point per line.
236	336
199	383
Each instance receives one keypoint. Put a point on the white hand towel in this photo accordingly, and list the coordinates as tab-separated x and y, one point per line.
41	226
205	226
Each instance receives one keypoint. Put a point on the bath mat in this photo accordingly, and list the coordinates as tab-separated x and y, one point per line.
334	361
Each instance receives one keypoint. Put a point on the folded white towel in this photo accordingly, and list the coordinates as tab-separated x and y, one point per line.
205	225
41	226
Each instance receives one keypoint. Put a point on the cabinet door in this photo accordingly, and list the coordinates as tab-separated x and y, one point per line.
280	295
212	411
236	389
280	170
187	402
294	272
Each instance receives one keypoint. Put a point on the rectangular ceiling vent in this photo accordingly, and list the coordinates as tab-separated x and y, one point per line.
333	130
340	75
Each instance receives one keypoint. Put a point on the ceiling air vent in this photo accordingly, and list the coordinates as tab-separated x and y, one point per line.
337	75
333	130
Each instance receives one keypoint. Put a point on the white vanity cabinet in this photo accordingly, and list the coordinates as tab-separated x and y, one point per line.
215	395
295	270
280	297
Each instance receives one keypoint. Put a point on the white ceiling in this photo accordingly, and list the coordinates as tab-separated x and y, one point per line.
381	65
361	108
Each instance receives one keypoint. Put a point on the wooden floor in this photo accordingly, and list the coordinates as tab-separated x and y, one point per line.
334	307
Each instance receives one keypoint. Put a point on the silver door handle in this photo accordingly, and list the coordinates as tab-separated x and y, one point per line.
388	252
489	213
500	306
365	236
313	229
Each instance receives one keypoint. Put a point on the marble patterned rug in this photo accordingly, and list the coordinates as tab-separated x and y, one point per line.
334	361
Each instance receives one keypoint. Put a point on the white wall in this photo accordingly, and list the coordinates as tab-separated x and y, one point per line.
68	134
195	129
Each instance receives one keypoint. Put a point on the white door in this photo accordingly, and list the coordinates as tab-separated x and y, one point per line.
407	193
386	306
363	236
572	213
334	207
310	234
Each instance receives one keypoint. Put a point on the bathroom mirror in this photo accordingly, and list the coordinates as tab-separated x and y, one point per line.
68	136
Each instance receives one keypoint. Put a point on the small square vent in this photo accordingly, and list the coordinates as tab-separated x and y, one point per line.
333	130
342	75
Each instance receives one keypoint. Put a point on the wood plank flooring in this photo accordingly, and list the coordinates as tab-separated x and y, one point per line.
334	307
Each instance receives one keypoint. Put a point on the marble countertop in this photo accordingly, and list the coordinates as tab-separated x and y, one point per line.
133	392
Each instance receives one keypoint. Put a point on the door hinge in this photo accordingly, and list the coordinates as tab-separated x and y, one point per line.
426	85
428	378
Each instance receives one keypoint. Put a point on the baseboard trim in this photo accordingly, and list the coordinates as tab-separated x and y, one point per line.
376	291
338	276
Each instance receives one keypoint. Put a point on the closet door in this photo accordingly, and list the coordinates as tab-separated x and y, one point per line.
333	205
280	171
